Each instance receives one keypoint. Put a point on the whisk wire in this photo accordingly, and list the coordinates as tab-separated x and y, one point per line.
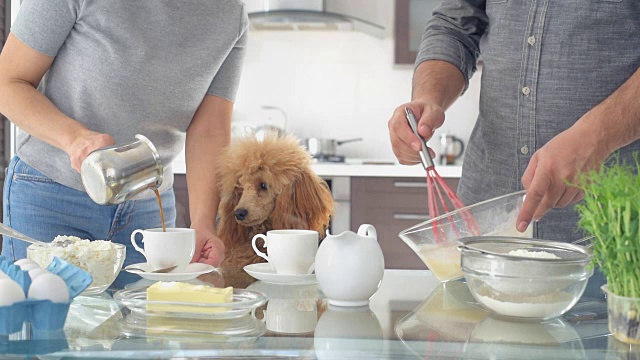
438	189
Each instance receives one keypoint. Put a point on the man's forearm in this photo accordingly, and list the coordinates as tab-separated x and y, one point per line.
617	118
438	82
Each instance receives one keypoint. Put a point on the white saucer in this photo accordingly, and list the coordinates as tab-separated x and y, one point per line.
264	272
192	271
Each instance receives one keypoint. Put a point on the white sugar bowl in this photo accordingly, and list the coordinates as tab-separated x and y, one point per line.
349	266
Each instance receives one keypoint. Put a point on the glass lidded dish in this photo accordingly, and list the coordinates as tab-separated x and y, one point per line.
244	302
102	259
523	278
435	241
245	328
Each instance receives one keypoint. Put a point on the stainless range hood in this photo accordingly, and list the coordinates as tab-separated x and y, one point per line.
300	15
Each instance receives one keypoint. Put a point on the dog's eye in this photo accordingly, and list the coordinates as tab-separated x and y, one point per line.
263	186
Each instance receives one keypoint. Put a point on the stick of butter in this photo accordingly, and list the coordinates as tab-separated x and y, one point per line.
187	293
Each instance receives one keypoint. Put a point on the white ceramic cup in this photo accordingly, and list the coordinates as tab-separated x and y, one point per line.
163	249
291	252
291	316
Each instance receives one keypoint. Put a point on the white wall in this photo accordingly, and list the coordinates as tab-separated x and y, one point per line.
336	85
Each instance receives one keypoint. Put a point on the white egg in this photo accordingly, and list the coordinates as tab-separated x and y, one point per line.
34	273
49	287
27	267
24	262
3	275
10	292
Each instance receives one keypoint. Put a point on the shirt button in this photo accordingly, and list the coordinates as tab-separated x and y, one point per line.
524	150
531	40
526	90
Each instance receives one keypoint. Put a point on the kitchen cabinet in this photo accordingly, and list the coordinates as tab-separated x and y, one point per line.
411	19
182	201
391	205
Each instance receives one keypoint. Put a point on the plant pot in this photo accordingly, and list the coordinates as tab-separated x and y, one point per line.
624	317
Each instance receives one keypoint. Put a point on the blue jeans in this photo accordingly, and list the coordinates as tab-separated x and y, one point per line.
39	207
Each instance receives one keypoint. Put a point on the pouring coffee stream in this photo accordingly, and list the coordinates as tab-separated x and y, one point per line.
164	226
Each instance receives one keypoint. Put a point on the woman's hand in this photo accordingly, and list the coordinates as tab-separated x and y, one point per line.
209	247
84	144
404	142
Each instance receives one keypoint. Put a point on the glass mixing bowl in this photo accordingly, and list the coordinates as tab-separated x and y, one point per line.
436	240
523	278
102	262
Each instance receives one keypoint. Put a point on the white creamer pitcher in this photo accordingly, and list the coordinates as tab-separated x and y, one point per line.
350	266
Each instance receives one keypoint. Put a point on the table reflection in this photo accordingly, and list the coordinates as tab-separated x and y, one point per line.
411	316
451	315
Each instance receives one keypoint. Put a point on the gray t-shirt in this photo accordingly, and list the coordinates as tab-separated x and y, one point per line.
131	67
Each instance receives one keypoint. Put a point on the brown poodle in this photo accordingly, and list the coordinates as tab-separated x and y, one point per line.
268	184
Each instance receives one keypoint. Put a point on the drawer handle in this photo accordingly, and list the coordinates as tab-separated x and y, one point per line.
423	217
409	184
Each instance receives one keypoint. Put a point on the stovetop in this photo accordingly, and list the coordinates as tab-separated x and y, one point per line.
329	159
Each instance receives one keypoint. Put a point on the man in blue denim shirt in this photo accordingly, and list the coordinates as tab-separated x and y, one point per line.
559	95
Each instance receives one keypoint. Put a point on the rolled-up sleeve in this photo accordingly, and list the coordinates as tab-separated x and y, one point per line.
453	35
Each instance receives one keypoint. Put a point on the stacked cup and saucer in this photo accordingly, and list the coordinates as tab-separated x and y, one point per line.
288	281
173	248
290	260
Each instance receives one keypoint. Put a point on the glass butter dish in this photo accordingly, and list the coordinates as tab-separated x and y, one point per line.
244	302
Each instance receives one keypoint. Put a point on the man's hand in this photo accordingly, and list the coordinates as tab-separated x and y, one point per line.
404	142
84	144
575	150
209	247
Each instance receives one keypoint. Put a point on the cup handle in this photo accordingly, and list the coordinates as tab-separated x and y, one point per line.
264	316
135	245
255	248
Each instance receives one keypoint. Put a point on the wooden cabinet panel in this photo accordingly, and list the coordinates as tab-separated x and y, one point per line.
411	19
391	205
182	201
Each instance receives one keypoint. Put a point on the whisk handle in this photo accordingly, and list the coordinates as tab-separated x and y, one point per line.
425	156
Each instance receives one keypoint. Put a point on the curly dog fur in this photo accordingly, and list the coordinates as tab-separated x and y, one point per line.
268	184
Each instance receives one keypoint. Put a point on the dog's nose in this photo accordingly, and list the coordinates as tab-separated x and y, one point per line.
240	214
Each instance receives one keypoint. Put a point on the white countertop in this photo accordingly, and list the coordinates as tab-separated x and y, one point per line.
360	167
395	170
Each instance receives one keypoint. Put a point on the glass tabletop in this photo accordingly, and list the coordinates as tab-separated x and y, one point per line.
411	316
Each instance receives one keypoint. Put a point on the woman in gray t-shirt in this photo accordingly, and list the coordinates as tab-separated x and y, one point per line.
78	75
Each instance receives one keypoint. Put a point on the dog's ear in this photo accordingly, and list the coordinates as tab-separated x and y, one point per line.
306	204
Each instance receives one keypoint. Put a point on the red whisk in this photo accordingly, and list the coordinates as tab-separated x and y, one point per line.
438	189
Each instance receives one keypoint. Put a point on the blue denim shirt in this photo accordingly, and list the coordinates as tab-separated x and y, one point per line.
545	63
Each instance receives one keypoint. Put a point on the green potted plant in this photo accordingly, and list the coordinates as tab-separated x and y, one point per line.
611	213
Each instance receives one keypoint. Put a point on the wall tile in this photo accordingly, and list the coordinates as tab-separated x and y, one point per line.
336	85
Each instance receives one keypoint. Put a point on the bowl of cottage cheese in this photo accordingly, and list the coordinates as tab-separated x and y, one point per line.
102	259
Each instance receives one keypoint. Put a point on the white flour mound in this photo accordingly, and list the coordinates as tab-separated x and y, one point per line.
533	254
529	307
